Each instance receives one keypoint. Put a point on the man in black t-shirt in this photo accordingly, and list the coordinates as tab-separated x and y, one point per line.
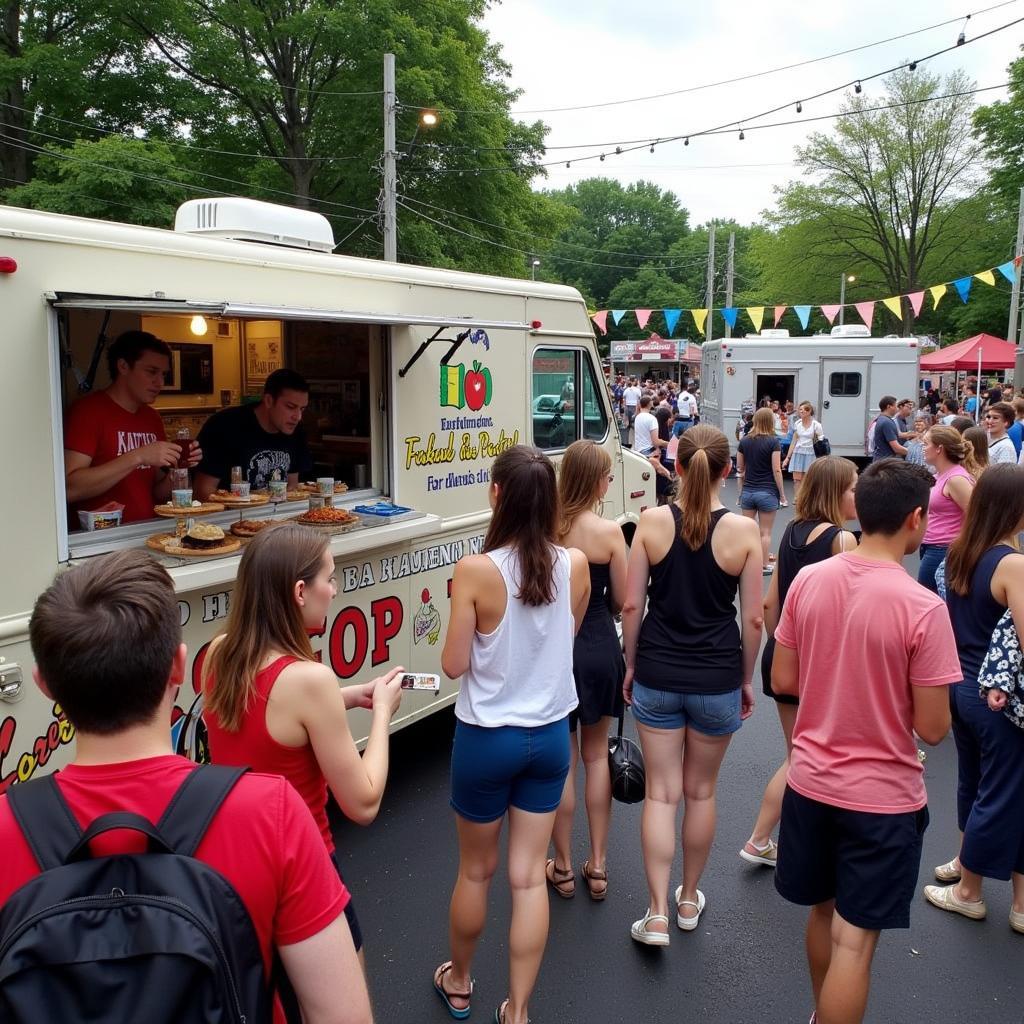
259	438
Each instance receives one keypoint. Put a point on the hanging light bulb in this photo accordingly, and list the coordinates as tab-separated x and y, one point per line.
799	107
198	326
618	151
742	136
913	65
602	156
858	88
686	141
652	147
961	39
568	164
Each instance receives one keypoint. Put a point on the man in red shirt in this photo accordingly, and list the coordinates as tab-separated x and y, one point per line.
107	645
855	808
115	447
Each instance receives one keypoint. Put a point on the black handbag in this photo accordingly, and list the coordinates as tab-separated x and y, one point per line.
822	446
626	765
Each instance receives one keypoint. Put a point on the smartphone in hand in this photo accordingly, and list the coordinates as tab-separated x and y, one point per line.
421	681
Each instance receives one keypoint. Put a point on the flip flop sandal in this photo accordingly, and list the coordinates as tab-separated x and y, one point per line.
639	931
499	1013
687	924
458	1012
562	880
590	876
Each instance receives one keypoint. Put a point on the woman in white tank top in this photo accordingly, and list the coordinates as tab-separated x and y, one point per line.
515	610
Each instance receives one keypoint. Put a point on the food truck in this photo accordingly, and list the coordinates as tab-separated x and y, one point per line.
419	378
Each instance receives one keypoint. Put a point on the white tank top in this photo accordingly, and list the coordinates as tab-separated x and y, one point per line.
521	674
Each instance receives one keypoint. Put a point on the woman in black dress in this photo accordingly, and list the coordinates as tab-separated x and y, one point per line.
823	505
598	668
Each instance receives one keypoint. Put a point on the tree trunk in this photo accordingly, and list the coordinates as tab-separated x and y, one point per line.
14	161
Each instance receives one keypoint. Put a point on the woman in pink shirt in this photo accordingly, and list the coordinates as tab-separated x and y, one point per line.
952	457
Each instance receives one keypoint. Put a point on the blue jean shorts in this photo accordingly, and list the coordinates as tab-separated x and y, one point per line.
713	714
508	766
761	500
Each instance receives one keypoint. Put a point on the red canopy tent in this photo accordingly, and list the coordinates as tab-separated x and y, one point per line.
996	354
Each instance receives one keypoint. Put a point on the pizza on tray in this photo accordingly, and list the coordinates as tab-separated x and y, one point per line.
327	516
250	527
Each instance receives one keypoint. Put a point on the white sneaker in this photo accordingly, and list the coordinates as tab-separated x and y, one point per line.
687	924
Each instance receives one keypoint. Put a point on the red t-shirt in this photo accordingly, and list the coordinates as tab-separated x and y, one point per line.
262	840
98	427
864	633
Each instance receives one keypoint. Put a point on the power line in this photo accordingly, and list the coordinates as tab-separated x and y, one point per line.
728	81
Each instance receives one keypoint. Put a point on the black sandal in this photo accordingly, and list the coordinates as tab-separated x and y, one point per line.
590	876
499	1013
562	880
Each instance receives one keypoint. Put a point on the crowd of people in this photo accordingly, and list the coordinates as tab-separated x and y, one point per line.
532	636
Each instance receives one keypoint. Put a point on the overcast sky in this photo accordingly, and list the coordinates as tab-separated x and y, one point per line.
568	53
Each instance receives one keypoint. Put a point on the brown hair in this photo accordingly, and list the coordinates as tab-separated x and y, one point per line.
583	467
763	424
264	617
1005	410
958	449
820	498
996	511
805	405
702	457
1018	406
978	440
104	636
526	519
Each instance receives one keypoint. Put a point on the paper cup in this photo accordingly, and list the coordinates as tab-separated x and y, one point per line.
325	485
278	489
182	497
240	489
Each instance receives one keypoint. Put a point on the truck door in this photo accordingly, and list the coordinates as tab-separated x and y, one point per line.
843	401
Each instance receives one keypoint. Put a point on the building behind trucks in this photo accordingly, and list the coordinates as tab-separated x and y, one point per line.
419	378
842	374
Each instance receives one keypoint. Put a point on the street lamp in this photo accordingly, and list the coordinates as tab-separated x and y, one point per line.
534	264
843	279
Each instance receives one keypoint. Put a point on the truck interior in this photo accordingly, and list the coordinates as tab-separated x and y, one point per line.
565	399
778	387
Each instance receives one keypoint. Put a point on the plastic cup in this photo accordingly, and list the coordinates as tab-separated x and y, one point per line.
325	485
240	489
278	489
182	497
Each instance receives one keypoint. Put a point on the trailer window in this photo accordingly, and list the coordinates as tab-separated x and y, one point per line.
844	385
566	399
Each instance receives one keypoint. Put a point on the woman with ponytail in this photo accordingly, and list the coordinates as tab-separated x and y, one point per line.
951	455
514	612
689	666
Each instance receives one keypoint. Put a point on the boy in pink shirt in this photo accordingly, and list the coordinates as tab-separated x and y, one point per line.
870	653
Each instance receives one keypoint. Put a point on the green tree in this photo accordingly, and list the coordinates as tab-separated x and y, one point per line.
1000	126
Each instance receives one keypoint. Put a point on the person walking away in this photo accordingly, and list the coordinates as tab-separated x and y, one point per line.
268	703
956	472
106	637
648	443
855	807
822	508
688	666
515	610
631	396
758	465
886	444
800	455
948	411
985	576
597	665
686	415
998	418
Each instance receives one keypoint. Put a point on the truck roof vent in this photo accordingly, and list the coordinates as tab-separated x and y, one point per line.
851	331
249	220
772	332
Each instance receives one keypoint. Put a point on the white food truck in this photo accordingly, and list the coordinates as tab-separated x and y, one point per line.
842	374
418	379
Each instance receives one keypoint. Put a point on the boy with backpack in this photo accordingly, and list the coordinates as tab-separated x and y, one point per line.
134	884
855	807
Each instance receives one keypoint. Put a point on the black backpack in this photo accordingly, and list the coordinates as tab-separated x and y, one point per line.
156	936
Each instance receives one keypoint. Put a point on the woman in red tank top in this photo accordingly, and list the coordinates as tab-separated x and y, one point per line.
269	704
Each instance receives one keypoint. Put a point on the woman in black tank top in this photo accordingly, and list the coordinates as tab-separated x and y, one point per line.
823	504
688	666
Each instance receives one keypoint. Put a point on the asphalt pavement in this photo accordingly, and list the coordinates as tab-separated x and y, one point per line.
743	965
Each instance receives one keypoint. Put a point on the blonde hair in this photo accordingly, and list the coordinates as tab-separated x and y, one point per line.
957	448
763	424
584	465
820	498
978	461
805	405
702	457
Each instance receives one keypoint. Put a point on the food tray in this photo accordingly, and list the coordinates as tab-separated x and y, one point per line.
383	509
251	502
174	512
332	529
237	532
161	542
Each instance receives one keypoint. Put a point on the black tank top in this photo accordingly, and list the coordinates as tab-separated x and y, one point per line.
795	553
976	614
690	639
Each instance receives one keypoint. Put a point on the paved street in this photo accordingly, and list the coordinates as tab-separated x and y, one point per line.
744	964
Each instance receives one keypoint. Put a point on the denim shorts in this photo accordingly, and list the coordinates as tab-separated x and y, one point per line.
713	714
761	500
508	766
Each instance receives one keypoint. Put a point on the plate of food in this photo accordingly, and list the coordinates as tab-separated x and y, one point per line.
197	508
229	500
328	516
201	539
314	488
246	528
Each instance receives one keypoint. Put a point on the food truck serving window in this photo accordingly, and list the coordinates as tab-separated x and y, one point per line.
566	399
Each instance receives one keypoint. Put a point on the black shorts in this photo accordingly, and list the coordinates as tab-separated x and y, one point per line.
868	863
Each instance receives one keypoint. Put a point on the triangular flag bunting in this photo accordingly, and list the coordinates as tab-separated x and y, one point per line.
987	276
830	313
671	319
642	316
894	305
601	320
756	314
699	316
866	311
1008	270
729	314
1017	260
617	315
937	291
963	287
779	310
804	313
916	299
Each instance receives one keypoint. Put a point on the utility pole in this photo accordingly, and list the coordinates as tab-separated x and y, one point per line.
390	198
709	323
728	278
1013	331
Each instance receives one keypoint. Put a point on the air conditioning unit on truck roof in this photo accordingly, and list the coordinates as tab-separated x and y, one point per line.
249	220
